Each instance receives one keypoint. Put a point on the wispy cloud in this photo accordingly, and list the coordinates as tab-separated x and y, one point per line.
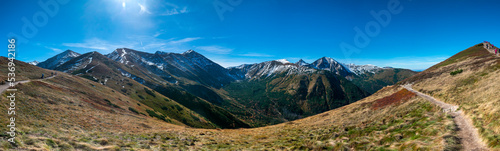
232	62
255	55
172	45
145	43
158	33
229	63
163	9
185	40
215	49
54	49
96	44
144	9
174	11
414	63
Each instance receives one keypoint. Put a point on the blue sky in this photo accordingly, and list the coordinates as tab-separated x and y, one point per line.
420	33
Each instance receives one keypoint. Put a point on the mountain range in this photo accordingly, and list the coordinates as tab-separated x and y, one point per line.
248	95
130	100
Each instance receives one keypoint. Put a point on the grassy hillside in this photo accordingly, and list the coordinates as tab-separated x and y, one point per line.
409	123
104	71
166	98
51	119
23	71
470	79
474	51
67	106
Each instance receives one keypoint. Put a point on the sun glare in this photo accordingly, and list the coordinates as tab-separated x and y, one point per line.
123	4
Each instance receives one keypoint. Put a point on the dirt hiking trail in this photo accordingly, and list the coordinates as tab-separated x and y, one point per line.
6	85
468	134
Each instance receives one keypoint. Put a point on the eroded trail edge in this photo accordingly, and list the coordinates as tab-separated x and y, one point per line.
468	134
6	85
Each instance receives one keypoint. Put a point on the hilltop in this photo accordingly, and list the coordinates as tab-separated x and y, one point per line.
471	80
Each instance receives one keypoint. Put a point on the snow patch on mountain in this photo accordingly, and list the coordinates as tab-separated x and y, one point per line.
80	62
330	64
147	62
123	52
33	62
302	63
362	69
284	61
124	73
58	60
91	68
187	64
188	52
268	69
119	55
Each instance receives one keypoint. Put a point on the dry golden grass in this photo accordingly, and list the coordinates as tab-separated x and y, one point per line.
23	71
71	113
55	117
476	90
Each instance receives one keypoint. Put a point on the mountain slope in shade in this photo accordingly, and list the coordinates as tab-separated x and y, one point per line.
287	91
313	88
199	76
374	81
372	78
268	69
190	65
58	60
298	84
104	71
302	63
362	69
368	77
188	73
132	79
331	65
